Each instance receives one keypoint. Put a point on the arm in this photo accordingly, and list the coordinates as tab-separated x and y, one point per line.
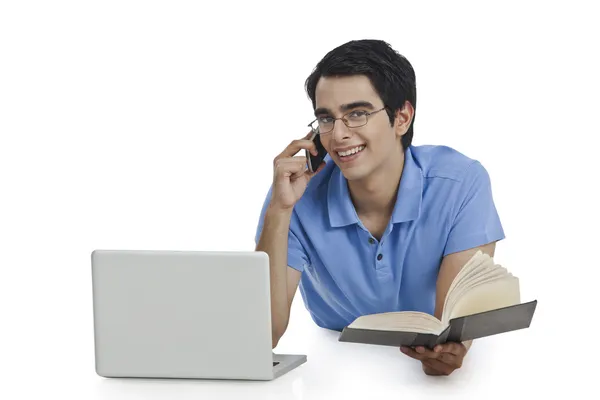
475	226
446	358
284	279
451	265
275	234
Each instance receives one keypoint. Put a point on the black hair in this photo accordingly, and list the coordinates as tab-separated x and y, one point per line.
390	73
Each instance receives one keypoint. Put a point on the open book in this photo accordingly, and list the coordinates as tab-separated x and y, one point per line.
483	300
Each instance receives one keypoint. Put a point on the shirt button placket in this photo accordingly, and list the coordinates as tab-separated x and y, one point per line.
378	258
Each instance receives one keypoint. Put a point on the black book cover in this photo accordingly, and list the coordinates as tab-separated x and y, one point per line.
460	329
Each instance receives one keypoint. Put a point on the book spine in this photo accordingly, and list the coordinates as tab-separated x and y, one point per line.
455	331
443	337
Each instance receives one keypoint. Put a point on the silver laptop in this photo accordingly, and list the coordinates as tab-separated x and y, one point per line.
184	314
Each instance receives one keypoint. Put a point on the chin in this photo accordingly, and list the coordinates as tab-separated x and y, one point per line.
354	173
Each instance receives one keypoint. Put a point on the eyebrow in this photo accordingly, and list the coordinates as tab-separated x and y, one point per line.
345	107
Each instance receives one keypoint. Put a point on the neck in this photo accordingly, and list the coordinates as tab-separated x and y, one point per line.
375	195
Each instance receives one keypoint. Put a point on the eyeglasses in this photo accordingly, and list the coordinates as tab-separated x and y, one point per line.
353	119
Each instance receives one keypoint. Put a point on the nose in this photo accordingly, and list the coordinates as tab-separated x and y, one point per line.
340	131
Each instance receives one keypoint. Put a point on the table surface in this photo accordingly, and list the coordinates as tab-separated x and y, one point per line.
53	355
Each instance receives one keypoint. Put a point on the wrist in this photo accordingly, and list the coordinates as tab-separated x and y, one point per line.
274	210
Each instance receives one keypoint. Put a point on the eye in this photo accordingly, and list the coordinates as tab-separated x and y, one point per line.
325	120
357	114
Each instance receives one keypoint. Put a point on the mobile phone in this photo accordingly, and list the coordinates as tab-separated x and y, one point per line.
315	161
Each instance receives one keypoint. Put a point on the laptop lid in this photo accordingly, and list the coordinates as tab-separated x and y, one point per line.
182	314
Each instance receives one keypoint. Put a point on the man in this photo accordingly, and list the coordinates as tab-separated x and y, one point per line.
382	225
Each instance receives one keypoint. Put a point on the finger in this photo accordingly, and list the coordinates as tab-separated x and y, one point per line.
298	174
429	370
289	166
427	352
458	349
450	359
296	145
439	366
308	172
450	353
411	353
414	353
295	159
305	171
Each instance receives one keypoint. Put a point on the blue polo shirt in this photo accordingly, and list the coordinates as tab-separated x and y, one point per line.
444	205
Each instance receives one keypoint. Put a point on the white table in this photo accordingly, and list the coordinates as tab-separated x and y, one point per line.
53	356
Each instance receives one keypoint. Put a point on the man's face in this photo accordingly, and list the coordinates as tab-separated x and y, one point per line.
362	150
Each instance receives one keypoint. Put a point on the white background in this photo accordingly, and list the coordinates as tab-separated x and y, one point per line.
153	125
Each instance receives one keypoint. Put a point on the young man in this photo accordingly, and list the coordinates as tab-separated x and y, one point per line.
382	225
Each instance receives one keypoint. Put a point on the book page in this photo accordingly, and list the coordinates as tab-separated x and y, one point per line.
405	321
484	267
480	269
479	264
488	296
470	266
476	280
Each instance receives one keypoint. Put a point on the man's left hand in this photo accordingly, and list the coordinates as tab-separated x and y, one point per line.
442	360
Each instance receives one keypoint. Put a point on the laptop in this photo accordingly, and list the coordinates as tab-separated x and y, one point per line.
184	314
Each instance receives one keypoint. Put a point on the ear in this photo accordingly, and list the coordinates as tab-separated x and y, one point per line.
403	119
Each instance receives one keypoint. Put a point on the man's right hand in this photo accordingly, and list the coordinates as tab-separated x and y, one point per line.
291	175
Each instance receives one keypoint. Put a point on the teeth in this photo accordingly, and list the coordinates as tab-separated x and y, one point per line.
351	151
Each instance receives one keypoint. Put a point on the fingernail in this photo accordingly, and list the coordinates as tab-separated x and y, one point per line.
438	349
403	349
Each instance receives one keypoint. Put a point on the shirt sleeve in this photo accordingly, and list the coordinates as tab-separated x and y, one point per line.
297	257
476	221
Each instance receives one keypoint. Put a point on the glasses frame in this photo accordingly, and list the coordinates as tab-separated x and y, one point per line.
368	114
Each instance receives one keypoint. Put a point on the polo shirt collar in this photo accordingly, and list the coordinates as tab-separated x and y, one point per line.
408	201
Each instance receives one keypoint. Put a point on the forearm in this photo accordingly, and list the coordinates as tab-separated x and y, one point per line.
274	241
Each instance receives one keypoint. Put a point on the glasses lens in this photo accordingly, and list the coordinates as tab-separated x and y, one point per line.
325	126
353	120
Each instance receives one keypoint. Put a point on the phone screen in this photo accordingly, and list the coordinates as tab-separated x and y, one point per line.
315	161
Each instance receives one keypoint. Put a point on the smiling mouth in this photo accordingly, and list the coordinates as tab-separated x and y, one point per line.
351	152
